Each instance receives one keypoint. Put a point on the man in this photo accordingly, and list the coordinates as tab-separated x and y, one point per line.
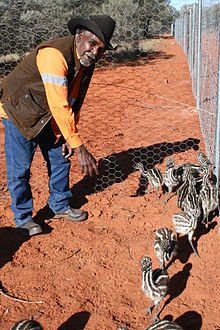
40	103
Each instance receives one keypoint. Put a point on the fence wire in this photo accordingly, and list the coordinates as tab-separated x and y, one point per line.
140	23
197	31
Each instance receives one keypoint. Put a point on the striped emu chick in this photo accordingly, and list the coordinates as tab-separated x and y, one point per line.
190	203
186	224
183	169
203	160
154	284
154	176
182	191
26	325
187	192
208	197
165	245
171	179
164	325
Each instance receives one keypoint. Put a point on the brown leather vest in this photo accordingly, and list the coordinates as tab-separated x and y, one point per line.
23	92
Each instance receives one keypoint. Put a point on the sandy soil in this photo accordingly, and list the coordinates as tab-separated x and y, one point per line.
88	275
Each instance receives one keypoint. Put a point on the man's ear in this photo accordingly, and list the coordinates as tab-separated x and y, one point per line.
78	37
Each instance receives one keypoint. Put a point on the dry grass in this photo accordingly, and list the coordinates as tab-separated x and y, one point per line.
9	58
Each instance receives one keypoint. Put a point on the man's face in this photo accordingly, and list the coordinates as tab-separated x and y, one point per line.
89	47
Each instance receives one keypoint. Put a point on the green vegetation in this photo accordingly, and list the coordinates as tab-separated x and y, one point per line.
26	23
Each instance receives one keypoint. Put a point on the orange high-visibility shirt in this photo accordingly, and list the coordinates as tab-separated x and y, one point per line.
2	112
53	70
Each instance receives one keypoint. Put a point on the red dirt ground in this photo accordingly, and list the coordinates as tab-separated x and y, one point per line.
88	275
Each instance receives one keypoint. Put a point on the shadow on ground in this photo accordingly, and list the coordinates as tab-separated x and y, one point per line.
188	321
10	242
184	248
135	57
115	168
77	321
177	283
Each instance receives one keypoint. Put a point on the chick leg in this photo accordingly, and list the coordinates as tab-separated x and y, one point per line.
149	309
191	243
156	318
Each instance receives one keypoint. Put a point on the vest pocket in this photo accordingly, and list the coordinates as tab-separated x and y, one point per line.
31	108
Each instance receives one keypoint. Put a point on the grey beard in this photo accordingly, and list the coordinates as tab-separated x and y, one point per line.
85	61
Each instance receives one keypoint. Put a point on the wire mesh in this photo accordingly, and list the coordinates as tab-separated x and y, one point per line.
140	24
203	62
209	73
124	90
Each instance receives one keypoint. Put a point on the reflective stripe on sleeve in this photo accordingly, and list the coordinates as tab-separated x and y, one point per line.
53	79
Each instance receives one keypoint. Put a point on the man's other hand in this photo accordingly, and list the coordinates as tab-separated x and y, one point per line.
67	151
86	161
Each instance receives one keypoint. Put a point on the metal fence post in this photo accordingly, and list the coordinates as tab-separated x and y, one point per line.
171	29
193	42
199	53
190	42
176	29
184	33
217	130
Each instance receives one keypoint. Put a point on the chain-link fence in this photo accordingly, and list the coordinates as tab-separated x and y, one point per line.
134	114
24	24
140	23
197	30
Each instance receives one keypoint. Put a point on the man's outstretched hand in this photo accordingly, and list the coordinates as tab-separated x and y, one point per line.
86	161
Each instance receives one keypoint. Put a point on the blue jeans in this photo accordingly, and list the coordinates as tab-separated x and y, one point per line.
19	153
